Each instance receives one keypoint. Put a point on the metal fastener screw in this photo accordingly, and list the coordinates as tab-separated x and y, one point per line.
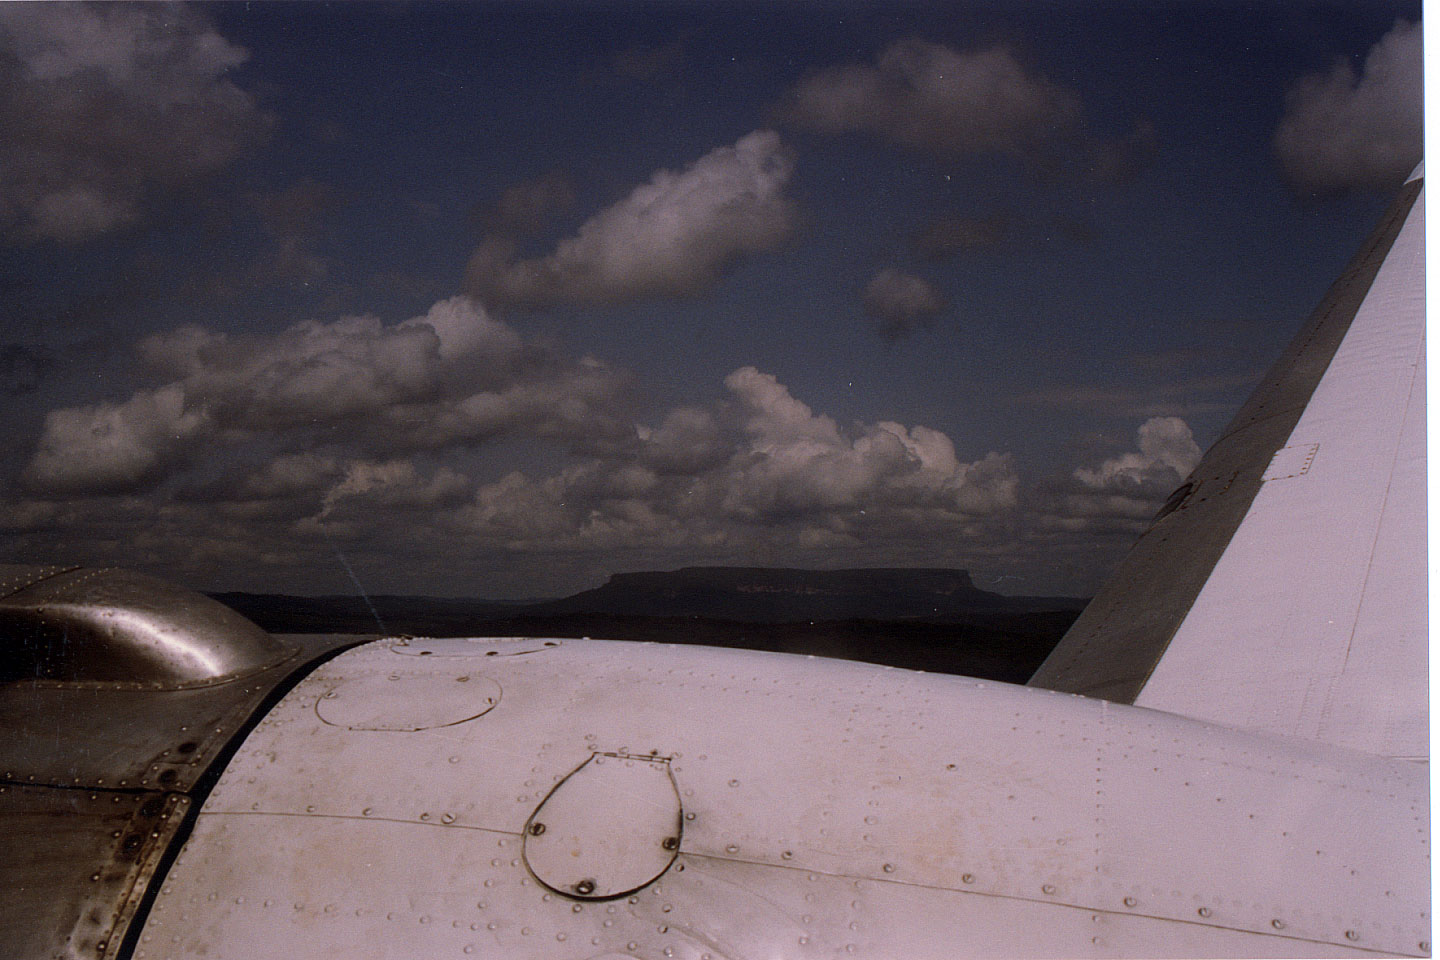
536	829
670	843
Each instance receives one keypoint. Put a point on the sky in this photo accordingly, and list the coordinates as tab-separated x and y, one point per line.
499	299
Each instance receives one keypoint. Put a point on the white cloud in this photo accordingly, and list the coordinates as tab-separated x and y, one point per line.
1167	454
109	447
452	376
671	237
933	97
901	303
758	468
101	102
1341	130
391	484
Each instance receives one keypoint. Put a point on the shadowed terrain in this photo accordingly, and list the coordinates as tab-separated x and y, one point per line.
934	620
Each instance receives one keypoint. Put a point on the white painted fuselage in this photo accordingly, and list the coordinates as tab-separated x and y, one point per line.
730	804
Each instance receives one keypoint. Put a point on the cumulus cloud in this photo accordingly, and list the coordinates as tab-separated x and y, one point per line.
957	103
1167	454
672	237
1343	130
102	102
453	376
390	484
1097	511
933	97
900	303
757	467
111	447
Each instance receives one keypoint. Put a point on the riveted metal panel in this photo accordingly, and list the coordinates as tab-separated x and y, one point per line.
123	629
76	864
101	756
816	794
464	647
95	736
611	827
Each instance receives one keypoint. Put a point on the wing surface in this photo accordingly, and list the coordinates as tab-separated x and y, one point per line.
1283	587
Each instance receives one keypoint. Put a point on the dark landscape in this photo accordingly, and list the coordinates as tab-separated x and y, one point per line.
919	619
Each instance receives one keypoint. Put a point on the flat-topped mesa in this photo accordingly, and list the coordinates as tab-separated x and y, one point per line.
783	594
937	580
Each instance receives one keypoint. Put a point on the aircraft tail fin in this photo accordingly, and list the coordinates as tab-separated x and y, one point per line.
1282	587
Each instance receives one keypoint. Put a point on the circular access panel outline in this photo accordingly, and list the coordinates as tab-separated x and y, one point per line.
407	702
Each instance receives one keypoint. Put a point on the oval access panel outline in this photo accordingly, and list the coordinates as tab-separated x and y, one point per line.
611	827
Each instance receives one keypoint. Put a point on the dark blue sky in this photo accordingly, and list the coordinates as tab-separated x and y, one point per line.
1019	264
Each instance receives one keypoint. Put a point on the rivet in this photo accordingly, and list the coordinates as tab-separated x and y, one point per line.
670	843
967	878
447	818
1278	924
786	855
1048	888
1425	945
1351	935
1204	911
584	887
536	829
1129	901
889	868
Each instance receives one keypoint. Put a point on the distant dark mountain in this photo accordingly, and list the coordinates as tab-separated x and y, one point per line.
935	620
781	595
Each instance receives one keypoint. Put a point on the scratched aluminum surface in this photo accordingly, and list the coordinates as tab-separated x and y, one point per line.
75	867
829	809
96	775
122	629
